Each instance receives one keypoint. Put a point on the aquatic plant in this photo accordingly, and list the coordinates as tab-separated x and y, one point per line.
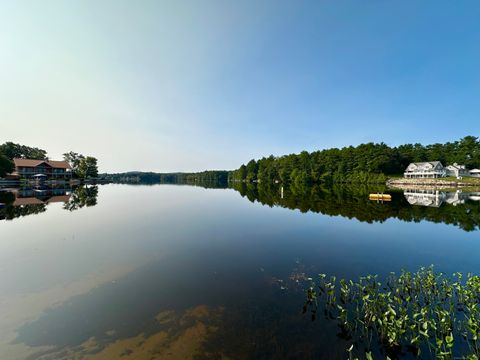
424	314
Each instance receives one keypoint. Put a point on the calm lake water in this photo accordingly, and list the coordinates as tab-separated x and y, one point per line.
179	272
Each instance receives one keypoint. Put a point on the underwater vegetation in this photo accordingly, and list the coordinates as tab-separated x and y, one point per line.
424	314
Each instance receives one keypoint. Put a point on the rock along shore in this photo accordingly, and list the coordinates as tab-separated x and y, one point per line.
428	183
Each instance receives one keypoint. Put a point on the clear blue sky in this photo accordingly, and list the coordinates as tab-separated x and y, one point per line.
194	85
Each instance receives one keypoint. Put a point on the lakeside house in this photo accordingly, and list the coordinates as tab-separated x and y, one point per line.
435	169
475	173
457	170
431	169
41	169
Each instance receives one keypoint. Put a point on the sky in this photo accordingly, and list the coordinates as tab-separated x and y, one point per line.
192	85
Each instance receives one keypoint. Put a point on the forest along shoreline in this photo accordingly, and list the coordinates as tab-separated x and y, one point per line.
371	163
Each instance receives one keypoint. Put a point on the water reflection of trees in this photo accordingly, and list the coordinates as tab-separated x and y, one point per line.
82	196
199	183
352	202
23	202
9	211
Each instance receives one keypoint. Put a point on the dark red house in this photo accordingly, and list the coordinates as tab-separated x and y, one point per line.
29	169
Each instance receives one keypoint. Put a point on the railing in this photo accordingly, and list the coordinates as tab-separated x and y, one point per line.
44	171
47	173
425	173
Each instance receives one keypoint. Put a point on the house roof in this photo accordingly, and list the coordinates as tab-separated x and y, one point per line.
27	162
33	163
456	166
27	201
434	163
424	165
36	201
58	198
59	164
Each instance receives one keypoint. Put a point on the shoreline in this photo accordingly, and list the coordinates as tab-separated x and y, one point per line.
439	184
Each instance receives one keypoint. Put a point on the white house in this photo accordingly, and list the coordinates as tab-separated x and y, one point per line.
475	173
457	170
431	169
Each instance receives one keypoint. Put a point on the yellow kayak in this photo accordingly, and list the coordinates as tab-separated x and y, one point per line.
383	197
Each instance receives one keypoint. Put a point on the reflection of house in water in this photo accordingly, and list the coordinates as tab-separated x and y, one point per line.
29	201
41	196
432	198
435	198
457	197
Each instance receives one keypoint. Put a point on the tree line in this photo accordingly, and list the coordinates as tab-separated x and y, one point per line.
217	177
365	163
83	167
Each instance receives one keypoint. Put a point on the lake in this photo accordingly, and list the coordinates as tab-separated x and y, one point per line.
179	272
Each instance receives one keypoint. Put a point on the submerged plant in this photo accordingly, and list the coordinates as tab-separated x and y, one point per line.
425	313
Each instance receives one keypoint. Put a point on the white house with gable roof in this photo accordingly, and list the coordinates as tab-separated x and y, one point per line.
430	169
457	170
